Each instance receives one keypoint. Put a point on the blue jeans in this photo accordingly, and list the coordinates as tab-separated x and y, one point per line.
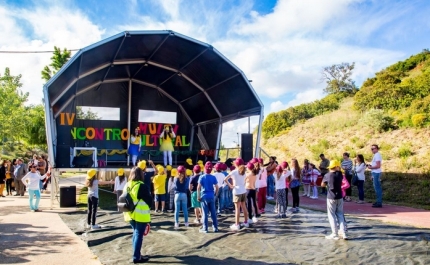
138	230
270	186
228	196
378	187
220	199
208	205
181	202
31	194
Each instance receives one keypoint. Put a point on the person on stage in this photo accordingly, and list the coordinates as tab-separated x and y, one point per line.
134	148
167	146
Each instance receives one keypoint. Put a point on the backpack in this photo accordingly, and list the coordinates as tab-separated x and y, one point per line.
125	202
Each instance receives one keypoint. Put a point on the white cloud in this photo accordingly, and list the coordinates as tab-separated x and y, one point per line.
40	29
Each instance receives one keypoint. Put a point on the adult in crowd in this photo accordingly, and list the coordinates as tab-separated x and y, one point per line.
376	171
140	218
271	167
295	184
324	170
206	190
32	181
134	148
19	172
360	167
2	177
346	165
333	180
9	177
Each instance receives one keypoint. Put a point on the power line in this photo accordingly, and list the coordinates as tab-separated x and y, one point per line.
72	50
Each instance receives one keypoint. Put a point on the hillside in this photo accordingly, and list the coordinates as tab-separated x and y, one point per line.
343	130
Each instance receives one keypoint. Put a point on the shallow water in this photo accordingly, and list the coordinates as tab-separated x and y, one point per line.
298	239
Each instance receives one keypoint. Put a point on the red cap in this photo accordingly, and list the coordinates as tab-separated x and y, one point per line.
232	168
224	166
254	160
218	166
208	167
279	168
250	166
260	160
239	162
197	169
284	165
181	169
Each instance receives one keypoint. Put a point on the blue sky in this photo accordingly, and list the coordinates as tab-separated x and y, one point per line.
280	45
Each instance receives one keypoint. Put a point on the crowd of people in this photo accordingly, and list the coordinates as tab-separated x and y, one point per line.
20	178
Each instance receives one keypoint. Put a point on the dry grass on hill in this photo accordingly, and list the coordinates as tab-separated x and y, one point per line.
403	150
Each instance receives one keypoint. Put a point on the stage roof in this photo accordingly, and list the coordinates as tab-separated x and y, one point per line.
204	84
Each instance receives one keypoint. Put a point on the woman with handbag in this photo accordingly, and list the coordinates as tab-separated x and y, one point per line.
360	167
346	165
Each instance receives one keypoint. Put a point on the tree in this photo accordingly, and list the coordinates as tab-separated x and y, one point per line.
35	129
86	115
57	61
338	78
12	111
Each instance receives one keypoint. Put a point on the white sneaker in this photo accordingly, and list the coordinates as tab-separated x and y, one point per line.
332	236
342	235
249	221
176	226
187	224
254	220
235	227
245	224
345	236
95	227
196	221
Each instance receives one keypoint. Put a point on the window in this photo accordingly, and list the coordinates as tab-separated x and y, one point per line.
157	116
97	113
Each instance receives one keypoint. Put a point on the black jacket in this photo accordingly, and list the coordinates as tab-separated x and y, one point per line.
2	174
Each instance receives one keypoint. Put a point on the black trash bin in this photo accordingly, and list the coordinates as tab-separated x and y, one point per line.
68	196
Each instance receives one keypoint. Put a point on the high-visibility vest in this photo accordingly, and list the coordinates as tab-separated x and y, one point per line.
142	212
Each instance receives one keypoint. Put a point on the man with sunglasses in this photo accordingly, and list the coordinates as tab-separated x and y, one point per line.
375	168
32	181
19	172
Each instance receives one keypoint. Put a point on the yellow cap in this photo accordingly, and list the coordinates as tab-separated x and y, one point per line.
169	167
333	164
174	172
120	171
91	173
200	162
142	164
189	161
160	170
188	172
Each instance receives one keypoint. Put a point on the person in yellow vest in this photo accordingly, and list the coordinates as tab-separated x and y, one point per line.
167	146
140	218
134	148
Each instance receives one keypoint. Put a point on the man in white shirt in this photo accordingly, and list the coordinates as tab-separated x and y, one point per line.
376	170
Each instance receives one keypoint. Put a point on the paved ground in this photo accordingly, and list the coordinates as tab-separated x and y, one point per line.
43	238
38	238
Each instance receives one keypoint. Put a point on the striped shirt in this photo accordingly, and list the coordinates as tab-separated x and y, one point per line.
347	164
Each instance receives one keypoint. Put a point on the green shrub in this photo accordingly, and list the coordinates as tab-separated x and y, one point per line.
378	120
321	147
405	151
419	120
354	139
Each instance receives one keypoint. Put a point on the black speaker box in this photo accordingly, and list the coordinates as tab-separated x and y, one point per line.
68	196
83	161
247	147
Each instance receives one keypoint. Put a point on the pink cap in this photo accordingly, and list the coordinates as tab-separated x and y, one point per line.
197	169
279	168
284	165
232	168
260	160
254	160
208	167
181	169
239	161
218	166
250	166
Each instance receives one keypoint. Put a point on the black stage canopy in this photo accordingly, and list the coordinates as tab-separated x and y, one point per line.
146	70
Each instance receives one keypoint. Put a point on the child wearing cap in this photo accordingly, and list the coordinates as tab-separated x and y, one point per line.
120	182
206	190
239	192
220	197
314	176
281	175
159	182
93	198
171	187
250	180
194	181
262	187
